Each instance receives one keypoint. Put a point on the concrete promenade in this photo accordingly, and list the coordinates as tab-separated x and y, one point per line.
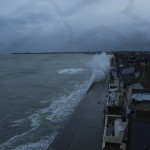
84	129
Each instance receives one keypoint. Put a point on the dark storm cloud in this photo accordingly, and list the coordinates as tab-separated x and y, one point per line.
76	26
104	38
77	7
96	39
29	18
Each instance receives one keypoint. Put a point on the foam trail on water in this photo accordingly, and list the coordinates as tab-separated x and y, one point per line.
70	71
100	66
65	105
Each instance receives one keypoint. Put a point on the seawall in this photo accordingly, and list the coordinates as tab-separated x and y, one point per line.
84	129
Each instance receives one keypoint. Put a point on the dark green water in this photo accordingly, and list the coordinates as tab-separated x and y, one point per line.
37	95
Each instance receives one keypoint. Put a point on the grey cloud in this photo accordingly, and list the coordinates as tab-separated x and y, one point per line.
29	18
79	6
82	25
104	38
98	38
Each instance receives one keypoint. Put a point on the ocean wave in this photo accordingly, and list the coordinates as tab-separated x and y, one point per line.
35	123
59	110
64	106
39	145
70	71
13	139
100	66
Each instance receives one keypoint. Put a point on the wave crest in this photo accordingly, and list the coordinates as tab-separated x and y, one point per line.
70	71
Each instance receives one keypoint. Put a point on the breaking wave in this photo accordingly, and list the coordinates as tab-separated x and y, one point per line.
100	66
39	145
70	71
64	106
58	111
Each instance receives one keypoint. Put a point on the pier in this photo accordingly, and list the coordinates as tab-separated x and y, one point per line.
84	129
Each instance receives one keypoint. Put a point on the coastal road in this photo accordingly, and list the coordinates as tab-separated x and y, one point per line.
84	129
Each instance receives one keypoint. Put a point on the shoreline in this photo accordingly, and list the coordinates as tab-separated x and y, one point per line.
84	129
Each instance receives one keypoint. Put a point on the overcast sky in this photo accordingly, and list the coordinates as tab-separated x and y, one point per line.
74	25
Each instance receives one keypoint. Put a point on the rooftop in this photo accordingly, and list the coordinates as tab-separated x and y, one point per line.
139	135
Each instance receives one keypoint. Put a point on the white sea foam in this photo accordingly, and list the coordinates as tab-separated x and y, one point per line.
64	106
13	140
35	120
35	123
4	118
70	71
58	111
18	122
44	101
100	66
39	145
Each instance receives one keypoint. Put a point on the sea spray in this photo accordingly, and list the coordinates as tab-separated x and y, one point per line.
100	66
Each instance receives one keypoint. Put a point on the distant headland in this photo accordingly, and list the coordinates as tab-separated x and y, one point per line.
83	52
87	52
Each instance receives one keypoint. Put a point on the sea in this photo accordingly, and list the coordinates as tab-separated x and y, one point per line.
38	93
